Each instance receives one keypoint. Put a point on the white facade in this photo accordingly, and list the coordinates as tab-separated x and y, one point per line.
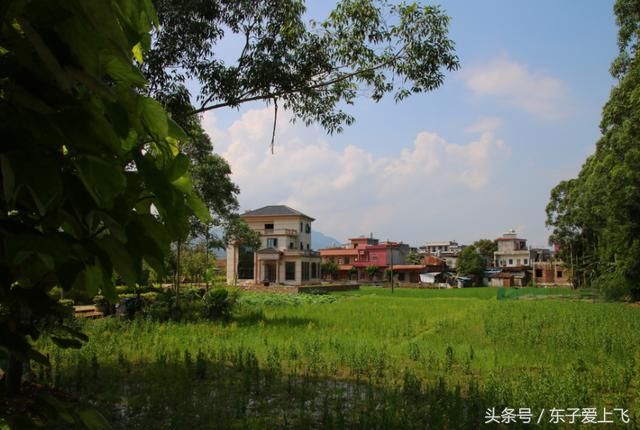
285	255
512	251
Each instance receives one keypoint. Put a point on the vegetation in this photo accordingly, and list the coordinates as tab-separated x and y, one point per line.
414	258
439	360
329	269
595	216
309	68
93	180
471	264
486	248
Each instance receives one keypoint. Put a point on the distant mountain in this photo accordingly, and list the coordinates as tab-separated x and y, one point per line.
320	240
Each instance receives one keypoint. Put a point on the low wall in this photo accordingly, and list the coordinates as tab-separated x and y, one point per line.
310	289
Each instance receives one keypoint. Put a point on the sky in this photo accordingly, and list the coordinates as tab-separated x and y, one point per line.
470	160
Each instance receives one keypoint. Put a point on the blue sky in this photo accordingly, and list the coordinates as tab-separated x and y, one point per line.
470	160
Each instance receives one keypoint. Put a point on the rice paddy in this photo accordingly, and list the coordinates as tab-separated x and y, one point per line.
362	359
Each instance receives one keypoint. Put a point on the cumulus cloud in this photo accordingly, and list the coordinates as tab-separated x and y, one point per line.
351	190
485	124
535	92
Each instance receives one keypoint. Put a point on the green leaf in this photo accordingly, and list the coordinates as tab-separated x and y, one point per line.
38	357
123	72
93	419
176	131
90	280
75	333
178	168
8	179
102	179
127	266
154	118
66	343
199	208
47	57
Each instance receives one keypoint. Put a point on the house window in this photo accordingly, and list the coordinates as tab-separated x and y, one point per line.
346	260
308	228
300	227
526	261
290	245
538	273
290	271
268	226
272	242
401	277
340	261
559	274
301	247
314	270
511	262
308	247
305	270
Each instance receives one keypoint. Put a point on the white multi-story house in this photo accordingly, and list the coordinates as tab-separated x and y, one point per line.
512	251
448	251
285	255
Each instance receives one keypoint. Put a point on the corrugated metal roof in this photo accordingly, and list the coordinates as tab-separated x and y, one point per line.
275	210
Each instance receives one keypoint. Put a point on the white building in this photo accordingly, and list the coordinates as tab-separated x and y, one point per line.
512	251
447	251
285	255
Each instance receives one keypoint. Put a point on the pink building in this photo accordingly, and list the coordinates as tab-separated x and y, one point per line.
363	252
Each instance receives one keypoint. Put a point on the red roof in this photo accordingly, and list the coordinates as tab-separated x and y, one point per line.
430	260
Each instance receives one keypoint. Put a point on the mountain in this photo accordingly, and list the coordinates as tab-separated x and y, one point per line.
320	240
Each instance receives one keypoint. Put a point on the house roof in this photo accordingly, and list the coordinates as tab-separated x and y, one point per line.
269	251
275	210
408	267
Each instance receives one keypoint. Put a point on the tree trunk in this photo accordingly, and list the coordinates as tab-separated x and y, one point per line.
178	256
13	377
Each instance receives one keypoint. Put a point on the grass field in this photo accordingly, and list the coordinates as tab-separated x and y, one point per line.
361	359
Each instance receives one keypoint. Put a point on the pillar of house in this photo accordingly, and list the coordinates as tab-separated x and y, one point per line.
232	264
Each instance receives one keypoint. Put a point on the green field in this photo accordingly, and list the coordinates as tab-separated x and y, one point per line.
363	359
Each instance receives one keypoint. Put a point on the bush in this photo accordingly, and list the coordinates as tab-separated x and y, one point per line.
218	303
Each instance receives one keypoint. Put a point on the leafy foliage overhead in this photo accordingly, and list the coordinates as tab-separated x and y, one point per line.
313	68
93	180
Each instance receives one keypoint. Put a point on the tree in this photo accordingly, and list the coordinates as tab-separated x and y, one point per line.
93	180
486	248
329	268
414	258
595	215
310	68
372	271
471	264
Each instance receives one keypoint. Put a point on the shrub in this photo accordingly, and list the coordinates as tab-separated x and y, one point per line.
218	303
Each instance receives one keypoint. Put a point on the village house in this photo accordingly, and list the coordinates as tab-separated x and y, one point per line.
361	253
285	255
447	251
512	251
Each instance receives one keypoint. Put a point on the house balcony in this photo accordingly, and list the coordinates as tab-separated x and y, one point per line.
278	232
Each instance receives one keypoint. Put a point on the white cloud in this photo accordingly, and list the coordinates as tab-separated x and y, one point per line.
513	83
351	190
485	124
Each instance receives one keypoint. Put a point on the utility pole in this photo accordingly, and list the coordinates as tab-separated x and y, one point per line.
391	247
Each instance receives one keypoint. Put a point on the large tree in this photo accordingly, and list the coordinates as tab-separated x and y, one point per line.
312	68
93	180
470	263
596	216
